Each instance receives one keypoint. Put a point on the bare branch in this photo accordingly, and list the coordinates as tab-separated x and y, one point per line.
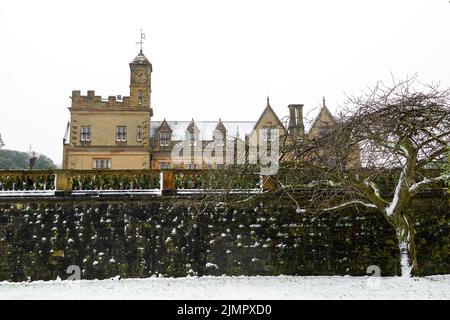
414	189
346	204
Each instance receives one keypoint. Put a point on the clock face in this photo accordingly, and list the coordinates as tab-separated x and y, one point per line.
140	76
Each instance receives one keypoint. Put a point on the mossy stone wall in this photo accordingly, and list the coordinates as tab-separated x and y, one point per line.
179	237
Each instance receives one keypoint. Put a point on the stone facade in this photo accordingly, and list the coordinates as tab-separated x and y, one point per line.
135	238
111	133
117	132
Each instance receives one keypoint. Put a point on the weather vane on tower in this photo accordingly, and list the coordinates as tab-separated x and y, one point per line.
141	42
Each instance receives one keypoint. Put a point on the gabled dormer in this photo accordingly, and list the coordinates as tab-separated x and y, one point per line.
164	135
220	134
192	134
322	123
268	124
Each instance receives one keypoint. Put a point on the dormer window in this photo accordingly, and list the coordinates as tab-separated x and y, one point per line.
191	139
219	138
164	139
219	141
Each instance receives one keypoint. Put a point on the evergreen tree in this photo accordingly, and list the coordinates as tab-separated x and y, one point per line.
15	160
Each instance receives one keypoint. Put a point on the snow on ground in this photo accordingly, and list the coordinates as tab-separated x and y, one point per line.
280	287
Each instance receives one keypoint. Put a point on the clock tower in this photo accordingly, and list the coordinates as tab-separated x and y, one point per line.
140	82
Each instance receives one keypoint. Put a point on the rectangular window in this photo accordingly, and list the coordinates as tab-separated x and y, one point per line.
164	139
164	165
324	131
269	134
85	134
121	134
140	97
219	138
101	164
139	134
192	166
192	139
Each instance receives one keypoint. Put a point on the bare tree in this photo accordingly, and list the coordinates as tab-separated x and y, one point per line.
401	133
2	144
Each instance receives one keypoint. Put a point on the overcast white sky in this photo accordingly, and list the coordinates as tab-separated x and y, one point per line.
210	58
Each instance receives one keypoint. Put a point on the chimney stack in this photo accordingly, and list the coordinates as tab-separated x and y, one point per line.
292	119
296	127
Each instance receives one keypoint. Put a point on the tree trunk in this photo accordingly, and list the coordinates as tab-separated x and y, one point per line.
404	229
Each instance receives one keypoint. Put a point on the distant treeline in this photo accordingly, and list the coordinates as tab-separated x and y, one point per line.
13	160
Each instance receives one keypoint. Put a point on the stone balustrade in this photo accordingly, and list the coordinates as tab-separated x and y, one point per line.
166	181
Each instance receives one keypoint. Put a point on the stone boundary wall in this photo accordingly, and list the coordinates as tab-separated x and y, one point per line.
175	237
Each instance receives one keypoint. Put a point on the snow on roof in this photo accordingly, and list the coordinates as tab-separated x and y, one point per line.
206	128
140	59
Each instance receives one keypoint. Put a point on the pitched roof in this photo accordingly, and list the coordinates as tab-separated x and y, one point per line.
323	110
164	125
221	127
268	109
141	59
206	128
192	127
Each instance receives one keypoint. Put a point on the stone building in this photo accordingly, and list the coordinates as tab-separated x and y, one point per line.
111	133
118	133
